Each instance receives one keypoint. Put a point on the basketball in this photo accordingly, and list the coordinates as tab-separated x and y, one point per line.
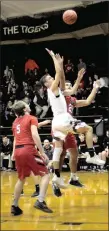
69	17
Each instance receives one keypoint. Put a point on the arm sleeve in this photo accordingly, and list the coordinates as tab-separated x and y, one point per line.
34	121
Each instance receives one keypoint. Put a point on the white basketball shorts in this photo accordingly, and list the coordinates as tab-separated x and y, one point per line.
63	121
66	122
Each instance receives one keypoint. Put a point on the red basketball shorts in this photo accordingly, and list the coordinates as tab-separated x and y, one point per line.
28	160
70	142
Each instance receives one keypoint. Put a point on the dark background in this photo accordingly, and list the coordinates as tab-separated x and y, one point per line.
91	49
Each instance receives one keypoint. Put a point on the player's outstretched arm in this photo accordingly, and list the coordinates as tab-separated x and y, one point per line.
43	123
58	63
76	85
88	101
62	80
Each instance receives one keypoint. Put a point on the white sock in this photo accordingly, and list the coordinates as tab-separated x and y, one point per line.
74	176
43	187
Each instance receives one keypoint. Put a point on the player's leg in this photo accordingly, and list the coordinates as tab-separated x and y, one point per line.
70	144
15	210
40	203
58	148
27	161
74	179
21	160
88	131
56	190
36	183
37	166
103	155
61	126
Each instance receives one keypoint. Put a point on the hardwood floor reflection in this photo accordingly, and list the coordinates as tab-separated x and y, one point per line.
78	208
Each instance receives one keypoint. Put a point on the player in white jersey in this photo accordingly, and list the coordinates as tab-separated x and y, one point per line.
62	120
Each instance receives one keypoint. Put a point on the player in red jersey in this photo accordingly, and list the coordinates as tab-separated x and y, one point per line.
81	127
28	159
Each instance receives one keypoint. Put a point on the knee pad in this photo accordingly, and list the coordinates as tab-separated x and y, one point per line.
57	153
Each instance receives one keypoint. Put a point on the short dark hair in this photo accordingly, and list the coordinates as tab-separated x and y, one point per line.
43	79
38	86
4	136
18	108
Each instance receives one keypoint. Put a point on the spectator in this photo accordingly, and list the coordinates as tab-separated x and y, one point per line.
83	154
82	144
105	153
26	93
8	112
6	151
97	144
69	70
30	65
48	149
12	94
106	140
12	85
81	65
8	74
40	101
25	85
69	67
27	100
2	108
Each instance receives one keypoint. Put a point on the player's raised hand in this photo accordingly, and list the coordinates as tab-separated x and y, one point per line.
55	56
97	84
47	122
50	52
58	63
81	73
59	58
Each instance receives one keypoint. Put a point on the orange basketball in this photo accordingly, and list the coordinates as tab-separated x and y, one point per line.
69	17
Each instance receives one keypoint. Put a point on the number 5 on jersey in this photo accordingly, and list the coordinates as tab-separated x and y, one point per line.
18	128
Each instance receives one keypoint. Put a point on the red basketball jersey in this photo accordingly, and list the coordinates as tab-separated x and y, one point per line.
22	129
71	103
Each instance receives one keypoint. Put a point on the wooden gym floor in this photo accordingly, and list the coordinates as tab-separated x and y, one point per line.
77	209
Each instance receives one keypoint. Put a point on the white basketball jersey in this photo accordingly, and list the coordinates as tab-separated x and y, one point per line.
57	103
